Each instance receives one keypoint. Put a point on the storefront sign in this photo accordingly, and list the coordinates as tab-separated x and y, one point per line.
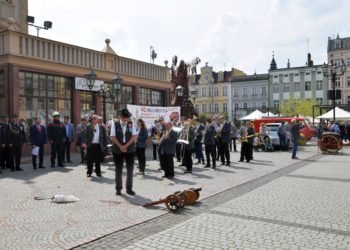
80	83
149	113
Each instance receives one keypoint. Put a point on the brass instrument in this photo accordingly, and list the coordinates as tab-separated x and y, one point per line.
184	136
245	138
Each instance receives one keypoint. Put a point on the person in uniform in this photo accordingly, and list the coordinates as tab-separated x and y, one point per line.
199	130
17	136
141	145
56	133
80	130
225	140
209	143
168	148
69	138
124	138
94	140
38	139
189	148
5	149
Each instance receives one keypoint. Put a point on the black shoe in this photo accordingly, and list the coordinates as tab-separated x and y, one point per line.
19	169
236	151
81	162
164	176
170	177
13	170
228	163
181	165
99	175
206	166
214	167
70	161
34	167
188	172
88	175
41	166
52	165
141	173
61	166
247	161
240	161
130	192
118	192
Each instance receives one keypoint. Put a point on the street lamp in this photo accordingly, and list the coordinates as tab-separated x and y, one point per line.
90	77
110	92
334	70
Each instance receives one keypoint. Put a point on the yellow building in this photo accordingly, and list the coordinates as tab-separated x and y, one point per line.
214	91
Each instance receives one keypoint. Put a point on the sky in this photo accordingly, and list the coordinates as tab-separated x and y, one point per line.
224	33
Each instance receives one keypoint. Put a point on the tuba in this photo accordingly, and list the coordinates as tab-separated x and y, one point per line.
184	135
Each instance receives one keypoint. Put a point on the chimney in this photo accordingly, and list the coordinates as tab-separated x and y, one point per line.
288	64
309	63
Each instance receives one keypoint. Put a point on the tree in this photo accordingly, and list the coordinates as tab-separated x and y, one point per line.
202	118
293	107
179	77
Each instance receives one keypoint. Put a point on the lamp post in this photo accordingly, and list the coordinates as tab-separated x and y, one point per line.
186	103
110	92
90	78
333	70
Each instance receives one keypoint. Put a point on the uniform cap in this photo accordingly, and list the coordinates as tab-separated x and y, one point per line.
55	114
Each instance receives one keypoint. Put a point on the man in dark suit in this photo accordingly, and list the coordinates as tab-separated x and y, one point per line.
69	137
56	133
225	140
38	139
189	148
168	148
5	148
94	140
209	143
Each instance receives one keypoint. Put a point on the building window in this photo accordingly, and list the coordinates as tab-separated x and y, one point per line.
296	86
216	108
210	93
125	96
40	95
245	105
286	87
348	62
319	85
204	108
86	103
337	62
254	105
276	104
151	97
196	107
235	92
204	91
216	91
263	105
337	82
263	91
276	88
224	91
211	107
254	91
245	92
224	107
236	106
307	85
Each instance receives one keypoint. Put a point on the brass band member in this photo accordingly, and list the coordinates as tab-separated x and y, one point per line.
225	140
209	142
141	145
16	138
167	146
189	148
247	132
198	143
124	138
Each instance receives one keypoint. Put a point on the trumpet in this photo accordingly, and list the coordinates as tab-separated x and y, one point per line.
245	138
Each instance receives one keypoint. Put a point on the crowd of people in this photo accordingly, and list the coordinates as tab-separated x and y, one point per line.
182	140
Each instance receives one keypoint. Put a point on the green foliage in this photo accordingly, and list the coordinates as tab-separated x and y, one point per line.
224	114
293	107
202	118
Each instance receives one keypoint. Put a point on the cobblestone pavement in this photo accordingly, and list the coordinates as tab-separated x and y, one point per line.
302	206
26	223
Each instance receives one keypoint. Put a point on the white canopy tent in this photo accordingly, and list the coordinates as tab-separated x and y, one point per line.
270	114
254	115
340	115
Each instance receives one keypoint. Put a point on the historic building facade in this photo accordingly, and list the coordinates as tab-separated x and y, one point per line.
248	94
338	51
305	82
214	91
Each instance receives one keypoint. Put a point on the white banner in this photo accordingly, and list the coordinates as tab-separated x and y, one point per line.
149	113
80	83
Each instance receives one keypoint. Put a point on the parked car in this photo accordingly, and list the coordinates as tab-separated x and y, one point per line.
275	140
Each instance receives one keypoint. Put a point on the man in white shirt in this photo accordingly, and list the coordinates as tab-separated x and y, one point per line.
124	136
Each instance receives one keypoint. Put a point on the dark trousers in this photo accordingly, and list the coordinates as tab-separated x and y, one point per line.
57	151
141	156
82	154
188	159
119	159
178	152
15	153
218	149
233	142
167	164
282	138
5	157
224	152
67	150
94	153
41	156
246	151
198	147
155	151
210	150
